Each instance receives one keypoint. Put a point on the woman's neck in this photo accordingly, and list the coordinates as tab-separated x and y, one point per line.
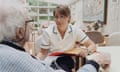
62	31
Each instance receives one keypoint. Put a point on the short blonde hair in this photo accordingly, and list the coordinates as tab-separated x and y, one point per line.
12	16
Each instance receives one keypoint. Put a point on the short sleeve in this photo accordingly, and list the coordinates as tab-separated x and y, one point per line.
81	36
42	42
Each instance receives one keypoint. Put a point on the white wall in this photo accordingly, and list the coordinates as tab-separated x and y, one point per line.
113	19
77	12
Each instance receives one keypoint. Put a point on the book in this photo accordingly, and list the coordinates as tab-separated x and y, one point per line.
72	52
60	54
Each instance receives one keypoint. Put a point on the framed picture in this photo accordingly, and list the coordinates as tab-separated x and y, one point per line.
94	10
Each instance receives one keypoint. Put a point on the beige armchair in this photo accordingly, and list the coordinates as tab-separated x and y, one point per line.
113	39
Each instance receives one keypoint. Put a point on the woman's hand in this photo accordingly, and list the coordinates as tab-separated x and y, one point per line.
83	52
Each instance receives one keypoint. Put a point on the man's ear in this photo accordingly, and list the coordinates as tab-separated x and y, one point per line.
19	33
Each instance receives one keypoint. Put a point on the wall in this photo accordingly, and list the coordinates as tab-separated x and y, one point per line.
113	17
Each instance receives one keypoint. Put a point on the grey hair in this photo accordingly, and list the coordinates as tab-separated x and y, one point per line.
12	16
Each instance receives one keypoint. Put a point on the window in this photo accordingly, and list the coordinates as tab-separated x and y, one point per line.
41	11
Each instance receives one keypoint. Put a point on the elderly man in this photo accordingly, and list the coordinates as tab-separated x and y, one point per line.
14	32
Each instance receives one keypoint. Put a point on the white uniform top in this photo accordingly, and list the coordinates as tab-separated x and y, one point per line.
52	40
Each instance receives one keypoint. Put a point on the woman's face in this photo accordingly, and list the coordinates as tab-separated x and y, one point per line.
60	19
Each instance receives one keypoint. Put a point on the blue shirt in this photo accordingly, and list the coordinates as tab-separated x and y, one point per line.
12	60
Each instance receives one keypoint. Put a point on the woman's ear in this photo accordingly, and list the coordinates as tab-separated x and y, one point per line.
20	33
69	19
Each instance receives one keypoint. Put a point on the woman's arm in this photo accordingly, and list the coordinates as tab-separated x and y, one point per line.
90	45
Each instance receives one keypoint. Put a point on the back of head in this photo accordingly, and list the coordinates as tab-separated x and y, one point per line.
12	16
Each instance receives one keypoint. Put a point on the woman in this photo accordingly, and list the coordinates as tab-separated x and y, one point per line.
61	36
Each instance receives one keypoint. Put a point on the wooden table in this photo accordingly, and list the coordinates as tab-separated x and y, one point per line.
73	52
76	52
114	52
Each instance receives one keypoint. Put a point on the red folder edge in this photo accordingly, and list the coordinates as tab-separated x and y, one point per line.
56	53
